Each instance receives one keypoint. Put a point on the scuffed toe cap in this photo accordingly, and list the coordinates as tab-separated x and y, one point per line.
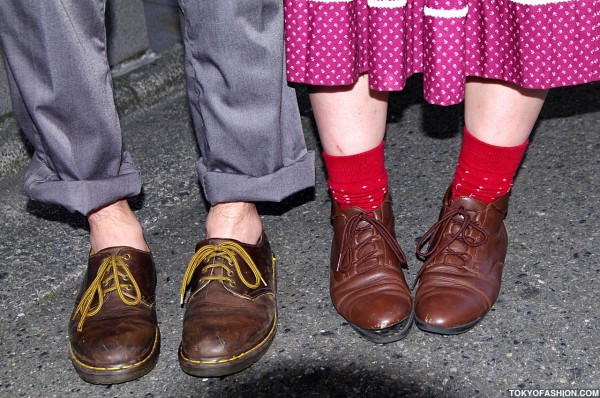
125	345
376	311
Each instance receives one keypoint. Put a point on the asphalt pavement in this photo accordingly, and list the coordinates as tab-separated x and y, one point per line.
543	332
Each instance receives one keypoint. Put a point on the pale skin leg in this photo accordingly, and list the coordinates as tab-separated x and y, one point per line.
350	119
500	113
117	225
234	220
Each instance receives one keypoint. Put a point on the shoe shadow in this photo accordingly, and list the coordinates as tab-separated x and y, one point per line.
314	380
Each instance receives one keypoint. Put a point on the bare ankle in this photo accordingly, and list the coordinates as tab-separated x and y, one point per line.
115	225
234	220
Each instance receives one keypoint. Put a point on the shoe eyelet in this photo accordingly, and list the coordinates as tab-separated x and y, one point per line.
127	257
232	283
230	273
125	278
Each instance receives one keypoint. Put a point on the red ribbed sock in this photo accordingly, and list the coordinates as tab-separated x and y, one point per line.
358	180
485	172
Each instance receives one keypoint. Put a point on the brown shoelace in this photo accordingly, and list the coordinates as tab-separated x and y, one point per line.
442	223
352	228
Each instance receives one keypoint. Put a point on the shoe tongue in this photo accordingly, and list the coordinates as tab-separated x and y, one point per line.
469	204
116	250
354	211
112	250
216	241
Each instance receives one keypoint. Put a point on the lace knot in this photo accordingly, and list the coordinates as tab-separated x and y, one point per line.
445	223
352	228
223	256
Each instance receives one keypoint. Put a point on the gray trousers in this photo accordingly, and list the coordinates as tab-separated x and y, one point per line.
245	116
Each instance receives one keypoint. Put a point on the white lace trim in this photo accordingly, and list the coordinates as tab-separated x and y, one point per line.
332	1
436	12
538	2
386	3
371	3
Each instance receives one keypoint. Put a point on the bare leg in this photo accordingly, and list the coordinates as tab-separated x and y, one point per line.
235	220
500	113
351	119
115	225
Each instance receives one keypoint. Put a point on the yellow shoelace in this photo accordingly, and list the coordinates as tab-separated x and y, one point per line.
101	286
223	251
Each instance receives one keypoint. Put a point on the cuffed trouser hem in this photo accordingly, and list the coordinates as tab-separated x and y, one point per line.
222	187
42	184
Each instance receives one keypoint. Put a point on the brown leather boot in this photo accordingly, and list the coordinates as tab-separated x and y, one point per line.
113	332
460	279
367	284
231	313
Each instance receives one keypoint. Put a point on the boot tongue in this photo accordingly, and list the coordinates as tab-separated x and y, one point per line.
467	202
210	241
110	250
117	250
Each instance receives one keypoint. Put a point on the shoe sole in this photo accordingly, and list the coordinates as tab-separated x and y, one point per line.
442	330
389	334
226	367
121	374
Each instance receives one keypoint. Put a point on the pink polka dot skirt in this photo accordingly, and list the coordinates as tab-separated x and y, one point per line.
532	43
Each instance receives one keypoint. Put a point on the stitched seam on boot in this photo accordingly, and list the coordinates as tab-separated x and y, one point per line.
111	369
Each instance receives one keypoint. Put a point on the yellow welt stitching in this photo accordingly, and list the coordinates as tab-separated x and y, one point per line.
121	367
220	361
243	353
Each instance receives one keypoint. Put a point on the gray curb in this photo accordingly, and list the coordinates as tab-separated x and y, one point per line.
160	77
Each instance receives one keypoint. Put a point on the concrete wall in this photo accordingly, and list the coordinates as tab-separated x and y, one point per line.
126	33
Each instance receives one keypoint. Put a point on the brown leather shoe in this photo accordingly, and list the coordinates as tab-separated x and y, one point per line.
231	313
113	332
460	279
367	284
